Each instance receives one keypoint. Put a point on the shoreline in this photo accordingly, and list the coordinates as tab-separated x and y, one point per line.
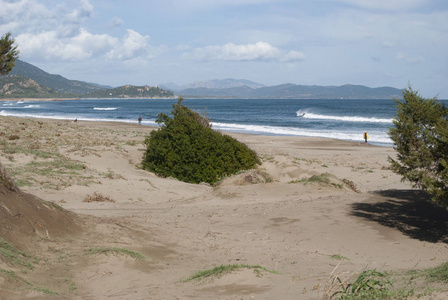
121	123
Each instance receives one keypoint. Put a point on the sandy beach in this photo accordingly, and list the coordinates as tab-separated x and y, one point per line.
358	216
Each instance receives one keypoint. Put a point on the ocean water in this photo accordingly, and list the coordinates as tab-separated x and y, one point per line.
339	119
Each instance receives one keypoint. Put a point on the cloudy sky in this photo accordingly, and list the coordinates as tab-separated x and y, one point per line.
310	42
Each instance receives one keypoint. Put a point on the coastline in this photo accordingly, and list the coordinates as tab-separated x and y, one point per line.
271	216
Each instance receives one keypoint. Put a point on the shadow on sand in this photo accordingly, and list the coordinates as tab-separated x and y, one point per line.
410	211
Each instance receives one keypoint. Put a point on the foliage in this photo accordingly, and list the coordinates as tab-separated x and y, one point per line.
117	251
369	282
17	86
14	256
8	54
439	273
421	140
224	269
130	91
187	148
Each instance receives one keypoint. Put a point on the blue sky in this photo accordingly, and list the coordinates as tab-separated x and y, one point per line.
310	42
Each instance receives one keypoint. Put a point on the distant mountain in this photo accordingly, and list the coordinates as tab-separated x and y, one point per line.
216	84
56	82
28	81
289	91
17	86
131	91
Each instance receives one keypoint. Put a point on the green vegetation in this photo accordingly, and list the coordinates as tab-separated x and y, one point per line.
131	91
14	256
370	284
225	269
8	54
16	86
339	257
187	148
34	287
439	273
420	135
116	251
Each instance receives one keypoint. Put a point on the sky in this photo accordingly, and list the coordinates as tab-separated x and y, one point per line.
308	42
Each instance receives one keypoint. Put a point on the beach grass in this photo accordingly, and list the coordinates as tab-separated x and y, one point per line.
225	269
115	251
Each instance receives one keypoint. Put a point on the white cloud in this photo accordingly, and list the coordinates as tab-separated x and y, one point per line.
409	58
83	12
393	5
85	45
58	34
133	45
293	56
260	51
115	22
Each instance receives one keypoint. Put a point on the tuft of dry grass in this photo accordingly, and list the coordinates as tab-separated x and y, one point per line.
97	197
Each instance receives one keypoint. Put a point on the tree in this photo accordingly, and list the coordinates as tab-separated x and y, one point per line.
187	148
8	54
420	136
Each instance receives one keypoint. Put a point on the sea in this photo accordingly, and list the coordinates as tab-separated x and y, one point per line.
343	119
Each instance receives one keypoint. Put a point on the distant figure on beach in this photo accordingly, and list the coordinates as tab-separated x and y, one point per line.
366	136
140	120
76	120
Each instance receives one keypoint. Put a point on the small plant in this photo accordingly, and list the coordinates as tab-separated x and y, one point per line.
439	273
6	180
14	276
339	257
116	251
14	256
97	197
368	282
351	185
225	269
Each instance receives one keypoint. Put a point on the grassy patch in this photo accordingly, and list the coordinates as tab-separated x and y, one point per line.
370	284
338	257
34	287
97	197
439	273
225	269
115	251
14	256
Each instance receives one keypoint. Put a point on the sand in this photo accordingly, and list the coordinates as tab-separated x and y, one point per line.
307	233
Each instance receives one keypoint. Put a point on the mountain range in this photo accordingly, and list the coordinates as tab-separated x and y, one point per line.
27	80
241	88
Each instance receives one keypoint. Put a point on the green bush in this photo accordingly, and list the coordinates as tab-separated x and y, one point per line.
420	135
187	148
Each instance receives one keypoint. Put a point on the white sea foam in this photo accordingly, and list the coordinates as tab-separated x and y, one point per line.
374	136
342	118
6	113
32	106
105	108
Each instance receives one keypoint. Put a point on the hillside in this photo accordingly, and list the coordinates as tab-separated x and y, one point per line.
44	85
56	82
292	91
18	86
28	81
131	91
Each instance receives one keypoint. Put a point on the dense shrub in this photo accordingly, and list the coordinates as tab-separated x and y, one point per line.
420	135
187	148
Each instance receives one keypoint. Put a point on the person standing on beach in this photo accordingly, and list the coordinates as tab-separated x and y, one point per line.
366	136
140	120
